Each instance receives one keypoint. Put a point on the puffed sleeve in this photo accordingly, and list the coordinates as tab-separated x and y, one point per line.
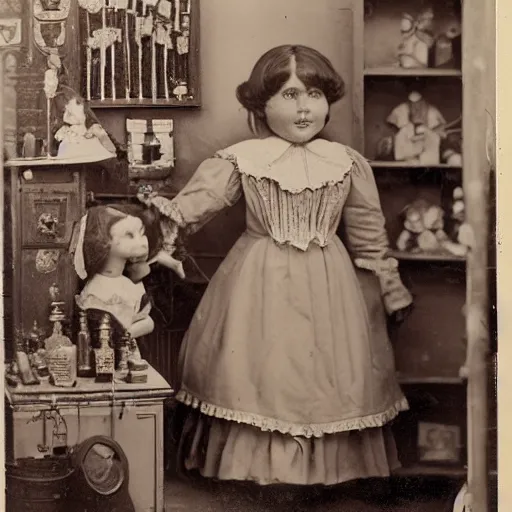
366	237
214	186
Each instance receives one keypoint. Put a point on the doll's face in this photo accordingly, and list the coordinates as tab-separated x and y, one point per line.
74	112
296	113
128	239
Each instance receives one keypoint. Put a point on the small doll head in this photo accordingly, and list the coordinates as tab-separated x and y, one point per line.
69	108
289	93
113	233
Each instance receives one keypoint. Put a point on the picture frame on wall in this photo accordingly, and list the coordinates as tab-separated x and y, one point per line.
140	53
439	443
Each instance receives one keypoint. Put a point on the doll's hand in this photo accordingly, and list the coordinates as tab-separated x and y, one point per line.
146	198
165	259
398	317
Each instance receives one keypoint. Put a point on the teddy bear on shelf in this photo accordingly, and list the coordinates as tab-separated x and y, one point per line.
423	228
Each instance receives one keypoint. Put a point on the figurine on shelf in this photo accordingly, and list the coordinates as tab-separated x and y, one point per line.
417	40
79	134
181	90
420	128
56	312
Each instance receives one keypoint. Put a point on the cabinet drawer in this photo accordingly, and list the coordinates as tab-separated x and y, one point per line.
48	175
49	216
40	268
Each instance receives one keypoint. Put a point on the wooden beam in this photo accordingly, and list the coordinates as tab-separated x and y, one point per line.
478	71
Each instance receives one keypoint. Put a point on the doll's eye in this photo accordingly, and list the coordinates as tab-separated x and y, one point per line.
315	94
289	94
129	234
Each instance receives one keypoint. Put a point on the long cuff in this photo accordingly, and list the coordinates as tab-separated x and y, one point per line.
171	221
395	295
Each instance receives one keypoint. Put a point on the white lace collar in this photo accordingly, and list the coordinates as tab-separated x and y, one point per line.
295	167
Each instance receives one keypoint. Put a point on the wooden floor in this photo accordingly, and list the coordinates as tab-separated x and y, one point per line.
200	495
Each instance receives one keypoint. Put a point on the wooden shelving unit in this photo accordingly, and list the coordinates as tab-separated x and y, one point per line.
439	338
429	347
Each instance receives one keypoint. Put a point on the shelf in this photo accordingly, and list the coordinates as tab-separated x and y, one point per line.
148	103
46	161
413	72
428	470
407	256
403	165
410	380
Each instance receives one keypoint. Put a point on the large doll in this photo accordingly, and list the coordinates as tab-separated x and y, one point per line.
286	368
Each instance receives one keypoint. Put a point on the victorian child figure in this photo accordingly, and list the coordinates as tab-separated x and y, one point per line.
286	367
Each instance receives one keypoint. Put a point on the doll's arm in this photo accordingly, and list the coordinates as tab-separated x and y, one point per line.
214	186
366	237
141	327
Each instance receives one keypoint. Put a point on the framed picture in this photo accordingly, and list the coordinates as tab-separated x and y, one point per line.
150	143
438	442
140	52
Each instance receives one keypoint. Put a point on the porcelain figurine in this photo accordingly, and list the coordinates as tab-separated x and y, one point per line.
417	40
79	134
419	127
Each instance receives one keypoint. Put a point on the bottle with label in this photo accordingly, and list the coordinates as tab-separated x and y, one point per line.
104	355
60	358
84	349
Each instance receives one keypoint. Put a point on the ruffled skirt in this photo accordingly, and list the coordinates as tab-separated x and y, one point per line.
289	371
227	450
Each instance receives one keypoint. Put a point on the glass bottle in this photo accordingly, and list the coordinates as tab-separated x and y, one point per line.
104	355
85	354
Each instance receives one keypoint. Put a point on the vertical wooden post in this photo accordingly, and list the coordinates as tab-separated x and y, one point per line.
2	327
478	35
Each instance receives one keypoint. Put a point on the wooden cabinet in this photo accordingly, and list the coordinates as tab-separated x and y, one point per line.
43	419
43	202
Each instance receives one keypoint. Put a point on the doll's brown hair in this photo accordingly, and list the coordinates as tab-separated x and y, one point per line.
97	238
273	69
100	220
